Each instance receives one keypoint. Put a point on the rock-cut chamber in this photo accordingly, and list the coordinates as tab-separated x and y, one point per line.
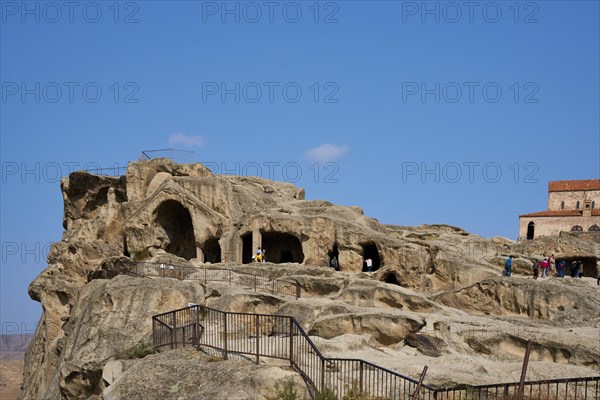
174	229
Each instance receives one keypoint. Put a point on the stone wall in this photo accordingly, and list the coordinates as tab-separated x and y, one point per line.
571	198
552	226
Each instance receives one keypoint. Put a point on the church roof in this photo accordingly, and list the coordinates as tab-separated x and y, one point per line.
567	186
559	213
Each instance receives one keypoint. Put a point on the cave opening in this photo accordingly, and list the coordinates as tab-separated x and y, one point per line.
334	257
370	252
212	251
588	267
247	248
282	247
176	230
391	278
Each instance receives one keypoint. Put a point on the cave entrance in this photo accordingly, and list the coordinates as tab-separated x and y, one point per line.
334	257
282	247
212	251
391	278
176	229
530	230
588	267
370	252
247	248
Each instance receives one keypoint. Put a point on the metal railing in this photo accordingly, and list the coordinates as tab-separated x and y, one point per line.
555	389
282	337
181	156
224	275
276	336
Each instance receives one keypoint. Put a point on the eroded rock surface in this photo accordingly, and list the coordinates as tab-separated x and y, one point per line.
430	281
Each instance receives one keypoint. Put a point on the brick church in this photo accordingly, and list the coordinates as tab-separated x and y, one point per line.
573	206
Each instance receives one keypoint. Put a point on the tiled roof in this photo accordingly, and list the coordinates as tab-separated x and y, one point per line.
566	186
560	213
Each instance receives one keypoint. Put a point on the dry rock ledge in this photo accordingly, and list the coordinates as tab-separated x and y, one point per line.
436	297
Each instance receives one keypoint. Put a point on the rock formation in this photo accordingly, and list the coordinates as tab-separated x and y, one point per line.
434	294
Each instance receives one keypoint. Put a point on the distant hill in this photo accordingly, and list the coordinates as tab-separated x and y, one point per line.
14	346
12	354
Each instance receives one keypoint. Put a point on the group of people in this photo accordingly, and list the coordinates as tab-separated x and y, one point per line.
549	266
260	256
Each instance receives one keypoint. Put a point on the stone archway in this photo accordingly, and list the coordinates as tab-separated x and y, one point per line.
334	254
212	251
282	247
530	230
371	252
247	251
174	229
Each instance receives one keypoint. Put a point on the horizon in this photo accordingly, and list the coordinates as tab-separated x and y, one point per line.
417	112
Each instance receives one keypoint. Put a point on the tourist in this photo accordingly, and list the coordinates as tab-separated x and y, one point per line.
573	268
508	266
264	255
579	269
545	268
560	268
259	255
536	269
334	263
551	264
369	264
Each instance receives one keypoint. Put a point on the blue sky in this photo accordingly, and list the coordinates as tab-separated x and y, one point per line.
419	112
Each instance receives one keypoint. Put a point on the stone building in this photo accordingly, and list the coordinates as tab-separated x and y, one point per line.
573	206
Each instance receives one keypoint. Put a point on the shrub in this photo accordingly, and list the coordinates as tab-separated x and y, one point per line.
327	394
141	255
285	391
141	350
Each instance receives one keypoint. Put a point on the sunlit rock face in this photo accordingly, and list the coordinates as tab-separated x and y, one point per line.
427	282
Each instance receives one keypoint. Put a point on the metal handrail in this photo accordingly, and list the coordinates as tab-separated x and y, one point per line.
182	272
238	333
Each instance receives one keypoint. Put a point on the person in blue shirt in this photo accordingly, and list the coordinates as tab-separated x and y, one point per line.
508	266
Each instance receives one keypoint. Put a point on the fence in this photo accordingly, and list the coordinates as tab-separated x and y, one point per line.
282	337
557	389
181	156
224	275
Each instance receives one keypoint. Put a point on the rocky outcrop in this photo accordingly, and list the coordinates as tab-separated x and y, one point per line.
425	277
187	374
108	319
562	300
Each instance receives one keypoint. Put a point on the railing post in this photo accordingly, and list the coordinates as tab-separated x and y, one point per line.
195	331
225	334
361	377
154	341
416	394
173	330
297	290
257	340
291	342
524	371
322	374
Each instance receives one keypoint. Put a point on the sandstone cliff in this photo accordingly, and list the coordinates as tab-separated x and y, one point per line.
431	279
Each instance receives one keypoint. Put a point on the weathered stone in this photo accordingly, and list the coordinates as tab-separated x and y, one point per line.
428	345
426	278
188	374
